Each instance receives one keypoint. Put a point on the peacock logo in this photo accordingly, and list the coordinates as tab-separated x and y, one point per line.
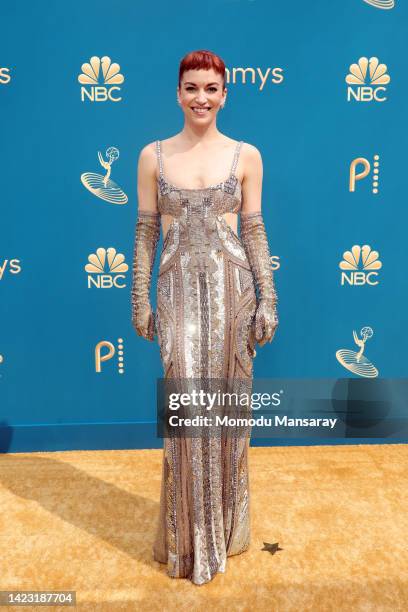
106	269
366	80
355	174
360	266
105	351
100	79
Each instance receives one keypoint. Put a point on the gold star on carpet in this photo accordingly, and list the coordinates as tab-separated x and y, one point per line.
272	548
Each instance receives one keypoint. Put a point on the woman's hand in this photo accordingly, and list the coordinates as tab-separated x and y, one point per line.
266	321
144	322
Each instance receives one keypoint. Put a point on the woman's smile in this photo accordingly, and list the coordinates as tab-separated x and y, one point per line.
200	110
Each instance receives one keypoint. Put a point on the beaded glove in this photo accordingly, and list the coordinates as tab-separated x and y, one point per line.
255	242
146	238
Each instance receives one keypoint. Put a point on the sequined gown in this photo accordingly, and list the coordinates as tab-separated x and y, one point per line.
205	304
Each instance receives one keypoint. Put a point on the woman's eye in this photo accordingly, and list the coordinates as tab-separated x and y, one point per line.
210	88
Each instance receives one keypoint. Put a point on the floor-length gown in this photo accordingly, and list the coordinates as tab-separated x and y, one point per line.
205	306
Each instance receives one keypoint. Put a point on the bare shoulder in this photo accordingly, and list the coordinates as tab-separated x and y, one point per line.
250	152
147	160
251	162
148	152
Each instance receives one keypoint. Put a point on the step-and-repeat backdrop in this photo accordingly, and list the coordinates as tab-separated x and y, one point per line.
319	88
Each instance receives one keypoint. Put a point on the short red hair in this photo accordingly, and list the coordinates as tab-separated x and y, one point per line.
202	59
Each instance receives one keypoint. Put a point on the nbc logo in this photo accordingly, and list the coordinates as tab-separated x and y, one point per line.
360	266
381	4
108	266
366	80
101	78
5	76
105	351
366	167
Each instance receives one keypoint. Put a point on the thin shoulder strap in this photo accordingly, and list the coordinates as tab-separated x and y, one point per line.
236	156
159	157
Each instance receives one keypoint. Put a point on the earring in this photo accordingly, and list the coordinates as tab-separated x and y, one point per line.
223	104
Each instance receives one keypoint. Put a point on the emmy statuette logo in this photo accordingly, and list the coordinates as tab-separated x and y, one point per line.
356	175
356	362
381	4
366	80
100	80
1	362
5	76
101	185
360	266
105	351
11	265
106	269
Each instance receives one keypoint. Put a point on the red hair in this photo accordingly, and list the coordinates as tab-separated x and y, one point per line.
202	59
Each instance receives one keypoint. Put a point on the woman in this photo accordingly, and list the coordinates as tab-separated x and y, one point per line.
208	316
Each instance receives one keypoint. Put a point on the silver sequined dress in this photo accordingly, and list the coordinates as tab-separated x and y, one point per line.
206	302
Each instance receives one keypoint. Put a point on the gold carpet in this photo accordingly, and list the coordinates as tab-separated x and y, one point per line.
85	521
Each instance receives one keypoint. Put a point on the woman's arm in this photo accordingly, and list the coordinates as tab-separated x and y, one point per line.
147	234
255	242
252	179
146	179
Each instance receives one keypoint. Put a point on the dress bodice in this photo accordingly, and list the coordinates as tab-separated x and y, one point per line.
202	203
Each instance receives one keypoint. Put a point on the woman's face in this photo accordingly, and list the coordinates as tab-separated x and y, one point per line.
201	94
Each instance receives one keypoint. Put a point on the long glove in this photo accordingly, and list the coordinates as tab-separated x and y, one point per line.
255	242
146	238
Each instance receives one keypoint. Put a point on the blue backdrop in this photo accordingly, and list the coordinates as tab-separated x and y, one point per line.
308	125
